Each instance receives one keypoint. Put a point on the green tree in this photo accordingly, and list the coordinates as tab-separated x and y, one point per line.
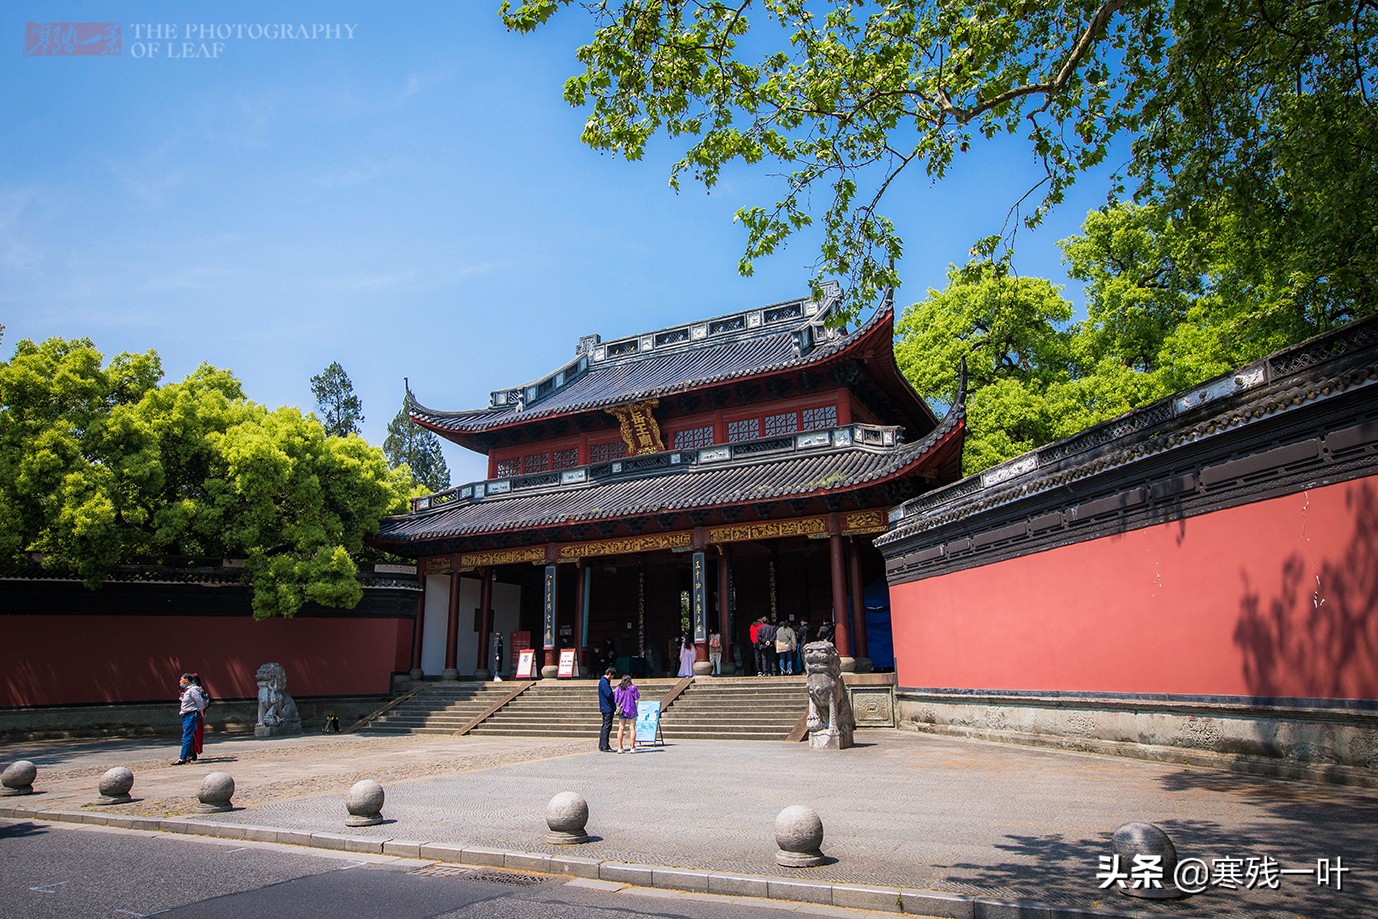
1013	334
409	445
1251	118
297	503
341	411
1163	312
101	466
55	401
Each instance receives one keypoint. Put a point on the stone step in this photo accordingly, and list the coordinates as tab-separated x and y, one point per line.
718	708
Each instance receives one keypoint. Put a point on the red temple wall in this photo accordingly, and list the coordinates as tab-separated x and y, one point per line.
1273	599
77	659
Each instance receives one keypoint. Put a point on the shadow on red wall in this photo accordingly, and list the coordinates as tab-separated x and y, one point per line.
1320	631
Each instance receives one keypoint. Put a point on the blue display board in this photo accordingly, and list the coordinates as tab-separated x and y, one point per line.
647	720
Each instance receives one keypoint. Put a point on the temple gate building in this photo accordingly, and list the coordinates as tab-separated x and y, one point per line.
693	479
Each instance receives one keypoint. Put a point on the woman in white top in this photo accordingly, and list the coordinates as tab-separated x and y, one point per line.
686	656
191	703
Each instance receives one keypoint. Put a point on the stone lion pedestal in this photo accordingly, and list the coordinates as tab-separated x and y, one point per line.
277	713
831	723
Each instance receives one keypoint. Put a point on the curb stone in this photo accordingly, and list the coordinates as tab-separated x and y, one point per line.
853	896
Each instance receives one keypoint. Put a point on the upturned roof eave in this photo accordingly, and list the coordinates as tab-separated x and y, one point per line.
933	450
864	337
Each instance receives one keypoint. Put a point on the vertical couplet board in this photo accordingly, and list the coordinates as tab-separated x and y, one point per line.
700	599
549	627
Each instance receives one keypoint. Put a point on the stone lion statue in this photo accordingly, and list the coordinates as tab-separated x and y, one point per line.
830	722
277	713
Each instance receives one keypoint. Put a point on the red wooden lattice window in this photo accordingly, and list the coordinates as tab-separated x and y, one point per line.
602	453
786	423
693	438
508	467
746	429
536	462
824	416
565	459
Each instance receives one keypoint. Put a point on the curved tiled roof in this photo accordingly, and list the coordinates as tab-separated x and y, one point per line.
836	471
616	381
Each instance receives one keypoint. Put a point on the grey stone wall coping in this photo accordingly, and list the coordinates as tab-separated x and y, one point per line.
1163	705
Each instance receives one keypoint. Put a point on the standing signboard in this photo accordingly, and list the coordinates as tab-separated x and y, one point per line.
569	667
648	721
526	661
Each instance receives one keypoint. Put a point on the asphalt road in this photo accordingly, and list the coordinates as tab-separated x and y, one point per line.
50	871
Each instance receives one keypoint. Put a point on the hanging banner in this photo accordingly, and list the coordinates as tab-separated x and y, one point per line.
569	667
647	720
526	660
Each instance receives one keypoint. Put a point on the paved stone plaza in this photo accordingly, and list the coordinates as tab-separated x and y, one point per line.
899	810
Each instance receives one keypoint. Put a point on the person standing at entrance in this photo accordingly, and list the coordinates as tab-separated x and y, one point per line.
784	647
758	655
606	707
766	635
686	656
715	653
626	696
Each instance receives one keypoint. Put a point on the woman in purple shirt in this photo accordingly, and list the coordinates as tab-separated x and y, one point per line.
625	696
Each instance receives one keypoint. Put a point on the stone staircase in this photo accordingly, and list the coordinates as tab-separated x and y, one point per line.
439	708
711	708
741	708
560	708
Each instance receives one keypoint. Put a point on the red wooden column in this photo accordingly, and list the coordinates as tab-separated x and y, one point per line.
725	603
485	617
858	598
842	634
452	631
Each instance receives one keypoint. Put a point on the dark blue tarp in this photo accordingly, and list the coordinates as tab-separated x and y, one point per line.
880	643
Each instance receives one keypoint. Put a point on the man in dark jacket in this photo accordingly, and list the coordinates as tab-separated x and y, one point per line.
605	708
766	636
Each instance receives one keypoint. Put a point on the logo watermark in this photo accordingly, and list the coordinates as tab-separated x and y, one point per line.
72	39
169	40
1194	875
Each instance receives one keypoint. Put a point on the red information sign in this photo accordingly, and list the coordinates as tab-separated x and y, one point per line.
525	661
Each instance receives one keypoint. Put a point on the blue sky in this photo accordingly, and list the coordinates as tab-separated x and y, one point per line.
411	201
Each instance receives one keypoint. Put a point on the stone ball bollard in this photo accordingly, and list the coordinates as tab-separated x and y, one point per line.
1146	840
799	834
17	779
114	786
364	803
216	791
567	814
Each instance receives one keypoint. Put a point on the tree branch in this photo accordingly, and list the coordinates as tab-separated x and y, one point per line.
1049	89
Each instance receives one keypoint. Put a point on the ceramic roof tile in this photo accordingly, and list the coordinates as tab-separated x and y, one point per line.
686	488
654	374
